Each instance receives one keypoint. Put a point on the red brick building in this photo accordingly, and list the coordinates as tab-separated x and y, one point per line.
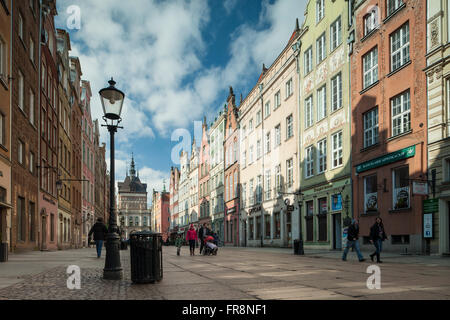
231	152
28	225
389	124
173	190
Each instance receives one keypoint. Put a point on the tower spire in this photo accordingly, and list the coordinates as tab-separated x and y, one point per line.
133	169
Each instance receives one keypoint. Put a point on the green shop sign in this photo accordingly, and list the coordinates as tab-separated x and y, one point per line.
387	159
430	205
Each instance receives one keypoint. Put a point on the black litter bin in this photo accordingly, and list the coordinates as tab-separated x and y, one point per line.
123	245
146	257
3	252
296	246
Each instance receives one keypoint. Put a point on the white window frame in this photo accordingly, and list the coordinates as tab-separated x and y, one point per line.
251	155
322	156
277	140
268	185
402	51
337	150
3	59
289	126
268	134
336	92
370	195
278	177
321	48
320	10
32	108
336	34
370	69
21	90
371	20
258	118
371	130
31	162
277	100
258	149
397	190
267	109
289	88
321	103
290	172
31	49
309	115
308	60
309	162
21	152
20	19
392	6
401	103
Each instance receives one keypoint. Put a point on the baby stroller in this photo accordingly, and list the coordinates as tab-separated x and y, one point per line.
210	248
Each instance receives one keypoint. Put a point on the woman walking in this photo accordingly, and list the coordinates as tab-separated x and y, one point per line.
377	236
191	237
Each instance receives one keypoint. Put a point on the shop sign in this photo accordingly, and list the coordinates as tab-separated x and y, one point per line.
430	205
428	225
387	159
255	209
336	202
231	210
420	188
290	208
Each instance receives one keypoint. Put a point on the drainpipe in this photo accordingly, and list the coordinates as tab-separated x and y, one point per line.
261	86
11	84
43	245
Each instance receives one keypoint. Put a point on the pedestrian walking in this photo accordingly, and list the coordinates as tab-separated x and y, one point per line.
201	236
191	237
352	241
178	243
377	236
216	239
99	230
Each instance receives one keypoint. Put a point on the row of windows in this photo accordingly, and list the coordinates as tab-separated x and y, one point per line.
319	152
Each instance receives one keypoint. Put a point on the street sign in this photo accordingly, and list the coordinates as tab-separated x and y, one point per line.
428	225
430	205
387	159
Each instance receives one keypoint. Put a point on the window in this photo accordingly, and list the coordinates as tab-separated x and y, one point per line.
31	162
267	226
21	90
371	20
3	59
289	127
393	5
20	19
258	149
370	127
258	227
32	221
309	117
336	92
370	67
309	163
309	220
335	34
289	88
277	99
251	154
244	194
31	49
250	125
268	142
2	128
31	106
321	48
251	228
259	189
400	47
21	151
401	113
447	168
52	227
308	60
322	156
336	141
278	177
290	172
251	193
321	103
323	208
277	135
320	10
258	118
401	188
244	159
267	186
277	221
21	219
267	109
44	76
370	193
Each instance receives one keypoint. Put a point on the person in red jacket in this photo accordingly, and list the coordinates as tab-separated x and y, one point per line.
191	237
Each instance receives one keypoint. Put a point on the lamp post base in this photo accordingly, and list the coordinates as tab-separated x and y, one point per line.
113	269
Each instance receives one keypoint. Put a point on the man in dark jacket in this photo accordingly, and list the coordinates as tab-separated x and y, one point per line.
201	236
99	230
352	241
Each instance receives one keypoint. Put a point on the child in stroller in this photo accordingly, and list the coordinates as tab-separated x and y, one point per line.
210	247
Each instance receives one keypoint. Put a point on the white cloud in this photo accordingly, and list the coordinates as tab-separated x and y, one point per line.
229	5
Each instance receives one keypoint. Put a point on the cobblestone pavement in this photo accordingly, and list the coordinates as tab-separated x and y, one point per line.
234	274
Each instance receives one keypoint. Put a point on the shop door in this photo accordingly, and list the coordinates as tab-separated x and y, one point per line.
244	229
337	242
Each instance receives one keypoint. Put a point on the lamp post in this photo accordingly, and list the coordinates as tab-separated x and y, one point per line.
112	101
300	235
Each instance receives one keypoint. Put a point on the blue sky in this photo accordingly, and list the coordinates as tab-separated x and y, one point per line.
175	61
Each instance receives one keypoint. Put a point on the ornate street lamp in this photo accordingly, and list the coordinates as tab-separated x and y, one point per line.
112	101
299	194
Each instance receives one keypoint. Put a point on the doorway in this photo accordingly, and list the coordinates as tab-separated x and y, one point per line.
244	229
43	233
337	226
289	229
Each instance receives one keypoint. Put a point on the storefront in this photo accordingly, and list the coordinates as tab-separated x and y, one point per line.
383	188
